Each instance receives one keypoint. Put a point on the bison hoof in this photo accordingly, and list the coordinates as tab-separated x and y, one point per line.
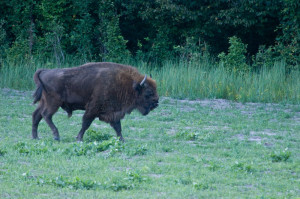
57	138
36	138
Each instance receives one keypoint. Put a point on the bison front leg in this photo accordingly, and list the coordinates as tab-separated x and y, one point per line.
86	122
117	126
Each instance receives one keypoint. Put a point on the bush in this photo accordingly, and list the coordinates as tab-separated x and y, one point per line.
238	166
2	152
265	57
97	136
91	148
138	150
62	182
282	156
235	60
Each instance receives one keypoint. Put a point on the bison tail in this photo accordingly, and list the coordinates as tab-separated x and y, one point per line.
38	94
40	86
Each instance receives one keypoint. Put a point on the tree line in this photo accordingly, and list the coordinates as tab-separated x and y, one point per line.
149	30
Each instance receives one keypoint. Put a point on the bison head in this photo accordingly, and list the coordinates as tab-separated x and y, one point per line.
147	99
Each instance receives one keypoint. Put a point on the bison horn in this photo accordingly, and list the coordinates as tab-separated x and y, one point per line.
143	81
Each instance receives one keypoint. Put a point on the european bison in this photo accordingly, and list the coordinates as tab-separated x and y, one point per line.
104	90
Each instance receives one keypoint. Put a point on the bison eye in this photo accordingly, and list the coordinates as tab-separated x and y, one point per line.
148	95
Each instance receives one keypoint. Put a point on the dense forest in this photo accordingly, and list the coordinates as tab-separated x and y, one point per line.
150	30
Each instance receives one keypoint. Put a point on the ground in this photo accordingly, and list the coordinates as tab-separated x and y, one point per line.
183	149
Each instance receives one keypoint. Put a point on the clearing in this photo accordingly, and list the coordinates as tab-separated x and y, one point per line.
183	149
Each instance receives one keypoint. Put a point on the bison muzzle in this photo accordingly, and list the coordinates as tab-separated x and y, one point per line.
104	90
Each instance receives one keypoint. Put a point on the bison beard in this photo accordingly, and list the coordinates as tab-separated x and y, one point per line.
104	90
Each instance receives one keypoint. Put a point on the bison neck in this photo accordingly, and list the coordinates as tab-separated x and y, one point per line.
115	115
115	102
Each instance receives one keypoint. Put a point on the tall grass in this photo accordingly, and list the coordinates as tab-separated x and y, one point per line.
20	75
201	80
182	79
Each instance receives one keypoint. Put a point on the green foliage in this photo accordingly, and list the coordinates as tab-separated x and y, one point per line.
287	39
135	176
281	156
92	135
289	35
235	60
91	148
53	40
186	79
265	57
2	152
131	180
18	51
239	166
62	182
192	50
167	149
154	31
119	185
114	43
116	184
3	41
187	135
81	149
200	186
138	150
81	37
30	149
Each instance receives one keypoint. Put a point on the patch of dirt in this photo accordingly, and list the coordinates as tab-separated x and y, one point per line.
12	92
187	109
240	136
153	175
99	125
215	128
268	132
214	103
136	129
255	139
74	124
267	144
171	132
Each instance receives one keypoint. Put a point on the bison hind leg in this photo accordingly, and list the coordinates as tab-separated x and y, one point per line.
47	115
69	114
36	118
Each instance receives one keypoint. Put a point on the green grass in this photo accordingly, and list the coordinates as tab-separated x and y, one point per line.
183	149
193	80
199	81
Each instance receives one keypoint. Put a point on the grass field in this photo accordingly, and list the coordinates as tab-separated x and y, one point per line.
183	149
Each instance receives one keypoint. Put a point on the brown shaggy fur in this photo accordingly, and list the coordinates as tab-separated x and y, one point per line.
104	90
